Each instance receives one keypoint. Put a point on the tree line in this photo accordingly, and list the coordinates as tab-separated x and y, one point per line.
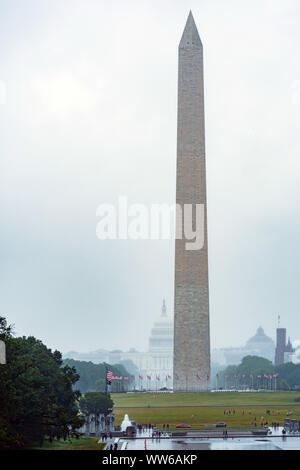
92	377
255	366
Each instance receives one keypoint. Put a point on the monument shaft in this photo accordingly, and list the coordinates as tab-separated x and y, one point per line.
191	306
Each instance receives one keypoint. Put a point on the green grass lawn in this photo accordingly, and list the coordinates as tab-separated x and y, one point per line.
171	407
204	398
83	443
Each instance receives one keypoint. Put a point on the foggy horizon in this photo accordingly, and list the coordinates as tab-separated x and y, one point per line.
89	113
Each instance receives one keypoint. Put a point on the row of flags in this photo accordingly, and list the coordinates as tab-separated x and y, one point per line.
252	376
168	377
110	377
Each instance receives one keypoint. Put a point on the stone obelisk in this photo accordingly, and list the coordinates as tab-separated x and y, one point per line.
191	306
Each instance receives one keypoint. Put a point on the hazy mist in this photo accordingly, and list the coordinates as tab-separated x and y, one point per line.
88	113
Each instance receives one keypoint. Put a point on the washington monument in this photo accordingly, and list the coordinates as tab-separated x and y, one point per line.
191	309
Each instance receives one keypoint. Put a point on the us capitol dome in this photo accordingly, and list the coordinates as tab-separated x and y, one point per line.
161	348
161	338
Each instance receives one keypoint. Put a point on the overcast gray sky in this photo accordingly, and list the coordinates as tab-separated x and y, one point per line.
90	114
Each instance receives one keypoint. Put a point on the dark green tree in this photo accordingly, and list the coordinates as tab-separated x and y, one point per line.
9	437
283	385
100	385
6	331
250	365
96	403
36	393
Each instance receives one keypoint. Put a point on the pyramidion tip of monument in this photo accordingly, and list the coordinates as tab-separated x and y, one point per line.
190	17
190	36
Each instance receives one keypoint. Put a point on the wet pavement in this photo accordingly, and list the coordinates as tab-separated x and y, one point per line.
274	441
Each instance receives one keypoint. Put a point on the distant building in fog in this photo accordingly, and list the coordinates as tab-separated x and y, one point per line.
284	350
156	362
97	357
258	345
161	346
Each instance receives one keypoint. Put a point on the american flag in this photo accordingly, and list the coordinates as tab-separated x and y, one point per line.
275	375
141	377
169	377
109	375
125	378
235	376
148	377
259	376
244	375
226	377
